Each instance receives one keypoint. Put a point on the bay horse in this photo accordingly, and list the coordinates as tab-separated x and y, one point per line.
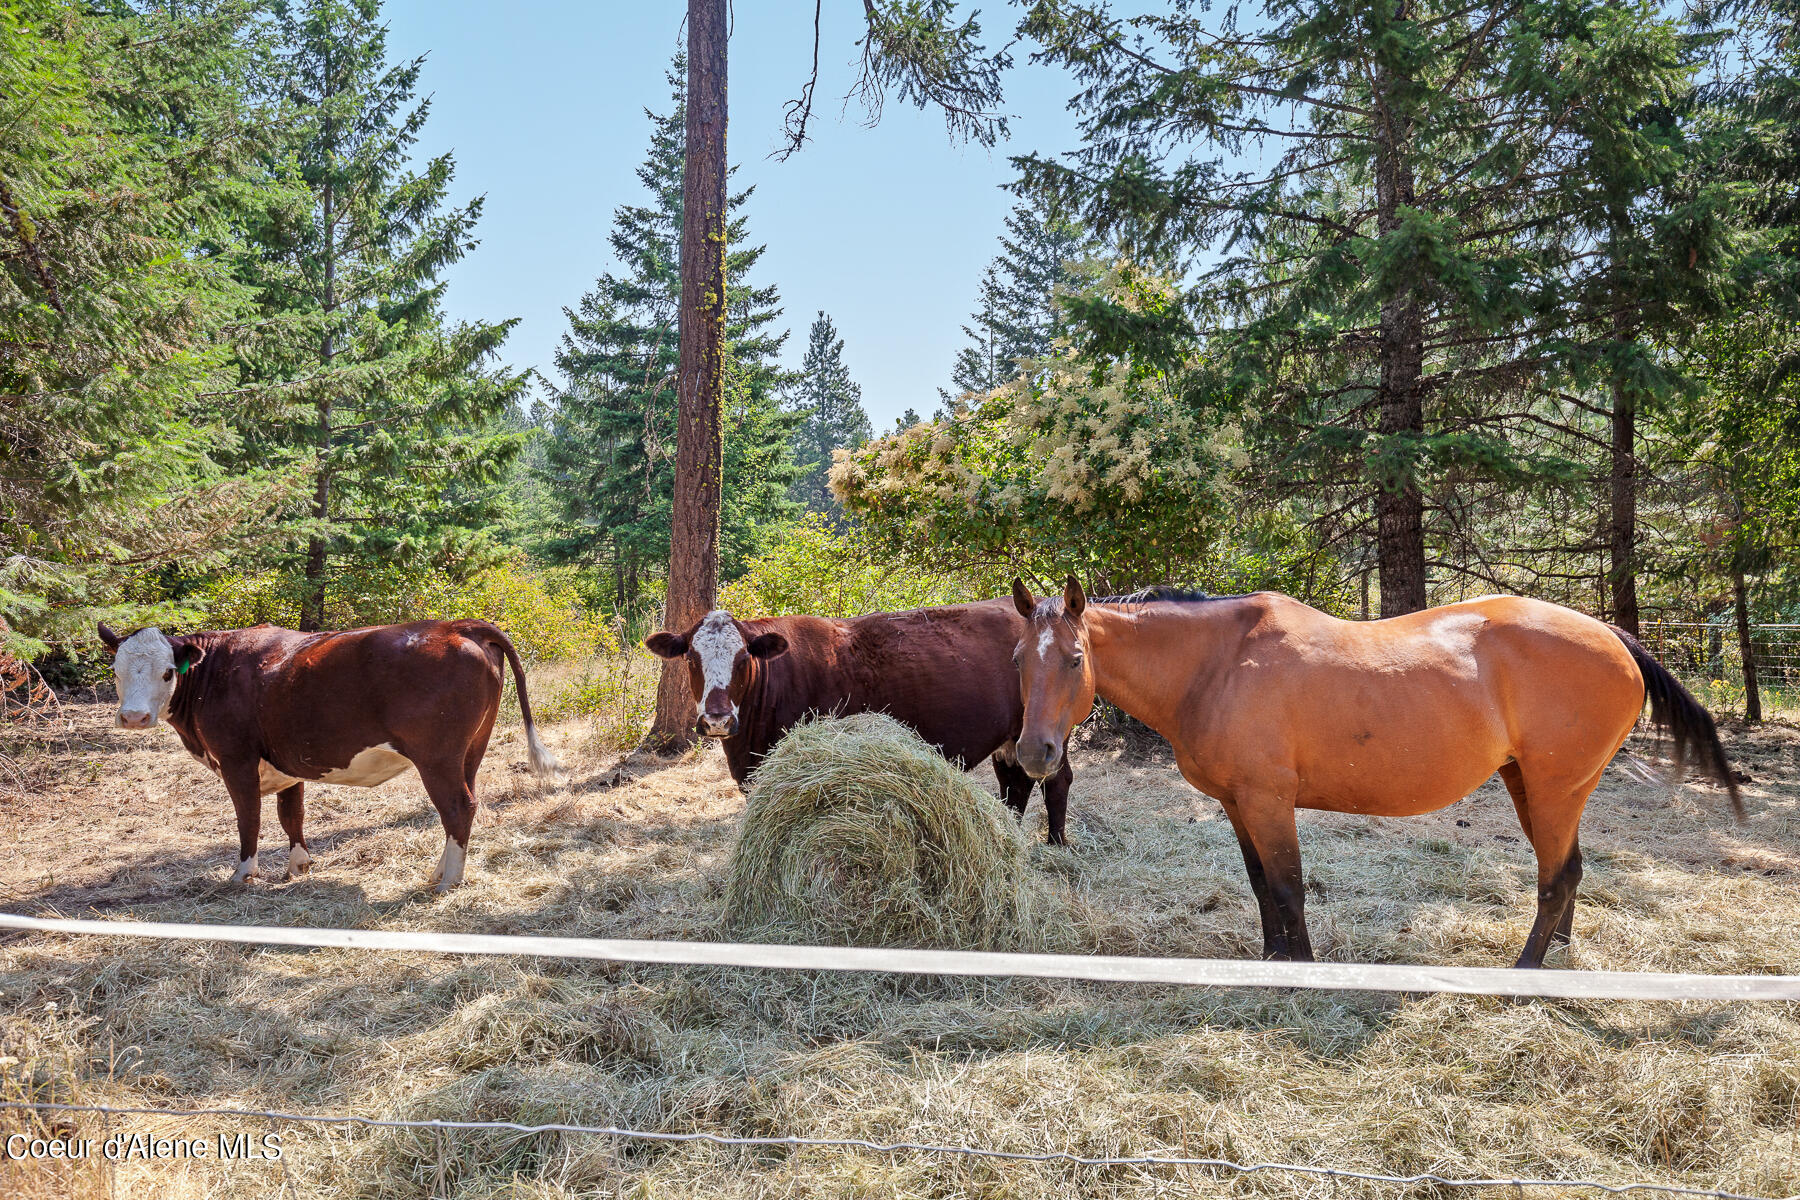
1271	705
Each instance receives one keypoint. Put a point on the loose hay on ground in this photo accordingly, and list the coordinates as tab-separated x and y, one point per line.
857	832
1696	1093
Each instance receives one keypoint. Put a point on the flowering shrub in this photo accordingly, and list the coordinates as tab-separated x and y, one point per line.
1101	468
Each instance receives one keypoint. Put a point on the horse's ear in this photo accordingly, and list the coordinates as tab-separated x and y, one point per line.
1022	598
1074	599
111	639
666	645
767	645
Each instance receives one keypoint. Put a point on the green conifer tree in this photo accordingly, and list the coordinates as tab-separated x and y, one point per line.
392	414
1393	313
126	136
1040	257
610	456
829	404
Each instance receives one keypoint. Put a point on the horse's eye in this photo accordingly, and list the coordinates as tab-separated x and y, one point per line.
168	674
1075	663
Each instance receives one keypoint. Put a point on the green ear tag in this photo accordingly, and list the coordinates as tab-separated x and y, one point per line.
182	669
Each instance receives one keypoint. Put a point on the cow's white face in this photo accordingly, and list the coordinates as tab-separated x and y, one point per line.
718	660
716	646
146	666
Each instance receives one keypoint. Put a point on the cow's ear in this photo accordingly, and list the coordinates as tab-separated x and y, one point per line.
1074	599
767	645
666	645
187	655
111	639
1022	598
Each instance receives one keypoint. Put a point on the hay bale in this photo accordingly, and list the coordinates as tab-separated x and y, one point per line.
858	833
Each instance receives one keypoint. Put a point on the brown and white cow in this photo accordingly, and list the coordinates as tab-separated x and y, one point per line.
946	672
270	710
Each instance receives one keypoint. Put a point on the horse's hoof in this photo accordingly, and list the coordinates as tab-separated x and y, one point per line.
246	871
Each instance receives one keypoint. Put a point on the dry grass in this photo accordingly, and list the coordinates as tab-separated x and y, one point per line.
129	826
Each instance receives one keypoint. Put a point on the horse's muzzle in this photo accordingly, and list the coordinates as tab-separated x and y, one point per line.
1039	759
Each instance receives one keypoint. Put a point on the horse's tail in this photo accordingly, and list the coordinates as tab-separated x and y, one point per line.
1673	708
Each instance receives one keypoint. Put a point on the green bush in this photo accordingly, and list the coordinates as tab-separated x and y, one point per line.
814	567
615	693
540	611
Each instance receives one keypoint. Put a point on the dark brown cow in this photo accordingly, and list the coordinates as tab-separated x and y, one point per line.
942	671
269	709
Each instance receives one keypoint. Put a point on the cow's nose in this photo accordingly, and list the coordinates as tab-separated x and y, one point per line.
134	719
712	725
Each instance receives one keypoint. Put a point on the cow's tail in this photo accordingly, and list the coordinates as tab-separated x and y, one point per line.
1673	708
543	763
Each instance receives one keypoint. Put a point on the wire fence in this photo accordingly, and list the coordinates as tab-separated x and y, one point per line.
1343	976
859	1144
1708	657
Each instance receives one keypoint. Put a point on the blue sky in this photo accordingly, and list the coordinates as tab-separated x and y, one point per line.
885	228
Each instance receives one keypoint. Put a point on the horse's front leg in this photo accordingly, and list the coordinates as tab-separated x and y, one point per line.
1271	846
1274	932
1056	802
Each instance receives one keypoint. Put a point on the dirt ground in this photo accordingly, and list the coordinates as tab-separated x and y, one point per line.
102	822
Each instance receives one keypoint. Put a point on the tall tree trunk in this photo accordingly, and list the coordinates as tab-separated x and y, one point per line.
1746	648
1399	512
1621	532
312	604
699	445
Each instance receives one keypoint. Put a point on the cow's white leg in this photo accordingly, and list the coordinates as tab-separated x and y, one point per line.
247	869
299	861
449	870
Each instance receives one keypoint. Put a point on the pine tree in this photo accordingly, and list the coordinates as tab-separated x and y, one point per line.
829	404
391	413
1393	314
982	365
127	135
1041	256
1660	224
612	427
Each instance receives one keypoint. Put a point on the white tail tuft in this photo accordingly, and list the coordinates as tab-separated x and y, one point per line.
543	763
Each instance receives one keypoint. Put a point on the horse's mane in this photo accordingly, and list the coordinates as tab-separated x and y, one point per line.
1161	591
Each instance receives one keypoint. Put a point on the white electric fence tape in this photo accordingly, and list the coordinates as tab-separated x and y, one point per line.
1202	972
